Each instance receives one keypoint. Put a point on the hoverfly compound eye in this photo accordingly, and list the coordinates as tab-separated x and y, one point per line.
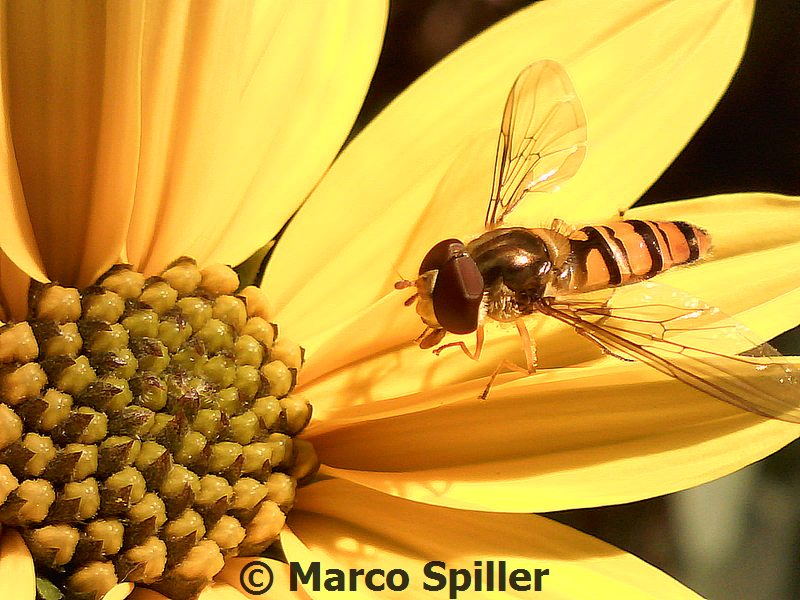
440	254
458	290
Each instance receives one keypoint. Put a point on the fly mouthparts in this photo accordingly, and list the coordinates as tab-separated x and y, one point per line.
410	301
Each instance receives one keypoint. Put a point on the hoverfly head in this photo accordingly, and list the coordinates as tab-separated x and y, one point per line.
449	289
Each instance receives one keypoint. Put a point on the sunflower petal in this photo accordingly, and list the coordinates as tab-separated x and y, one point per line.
568	438
361	366
16	233
750	276
302	128
13	290
119	592
347	527
222	591
72	117
229	153
738	223
553	452
17	577
140	593
370	357
166	123
757	289
635	65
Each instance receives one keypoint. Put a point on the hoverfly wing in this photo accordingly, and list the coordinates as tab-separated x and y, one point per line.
542	139
683	337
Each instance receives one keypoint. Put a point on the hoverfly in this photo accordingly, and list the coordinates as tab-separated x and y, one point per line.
509	273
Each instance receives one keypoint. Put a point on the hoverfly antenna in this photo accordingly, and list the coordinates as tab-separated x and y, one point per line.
410	301
403	284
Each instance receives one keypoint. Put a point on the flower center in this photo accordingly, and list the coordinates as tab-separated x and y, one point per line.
147	428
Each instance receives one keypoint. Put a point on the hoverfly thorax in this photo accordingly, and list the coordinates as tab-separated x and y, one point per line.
517	267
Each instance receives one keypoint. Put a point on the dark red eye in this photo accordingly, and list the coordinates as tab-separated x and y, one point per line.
458	290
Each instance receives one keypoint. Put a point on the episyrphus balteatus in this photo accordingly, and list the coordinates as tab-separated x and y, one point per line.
583	277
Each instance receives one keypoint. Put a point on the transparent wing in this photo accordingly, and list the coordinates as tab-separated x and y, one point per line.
542	138
698	344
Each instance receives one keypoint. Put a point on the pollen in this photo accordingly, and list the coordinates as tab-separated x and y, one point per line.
147	429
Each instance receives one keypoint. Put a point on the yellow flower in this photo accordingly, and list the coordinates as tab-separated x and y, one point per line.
139	131
164	173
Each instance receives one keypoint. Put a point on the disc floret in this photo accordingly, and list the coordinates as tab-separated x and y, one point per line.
147	428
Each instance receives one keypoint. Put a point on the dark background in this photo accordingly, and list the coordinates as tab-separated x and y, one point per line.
751	142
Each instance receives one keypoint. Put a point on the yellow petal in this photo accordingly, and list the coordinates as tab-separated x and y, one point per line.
371	357
749	276
17	577
753	271
360	365
16	233
368	361
759	289
635	65
165	123
13	290
115	167
141	593
567	438
253	569
738	223
214	591
347	527
221	591
119	592
243	111
300	129
72	113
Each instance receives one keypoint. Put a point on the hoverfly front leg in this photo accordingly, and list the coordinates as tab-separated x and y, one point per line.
473	355
527	346
430	337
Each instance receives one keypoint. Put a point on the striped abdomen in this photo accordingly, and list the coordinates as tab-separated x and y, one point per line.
605	256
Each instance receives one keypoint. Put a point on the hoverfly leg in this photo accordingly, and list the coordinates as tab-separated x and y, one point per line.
425	332
507	365
528	347
429	340
473	355
603	347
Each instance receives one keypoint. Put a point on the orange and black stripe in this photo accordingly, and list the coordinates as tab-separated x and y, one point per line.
605	256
